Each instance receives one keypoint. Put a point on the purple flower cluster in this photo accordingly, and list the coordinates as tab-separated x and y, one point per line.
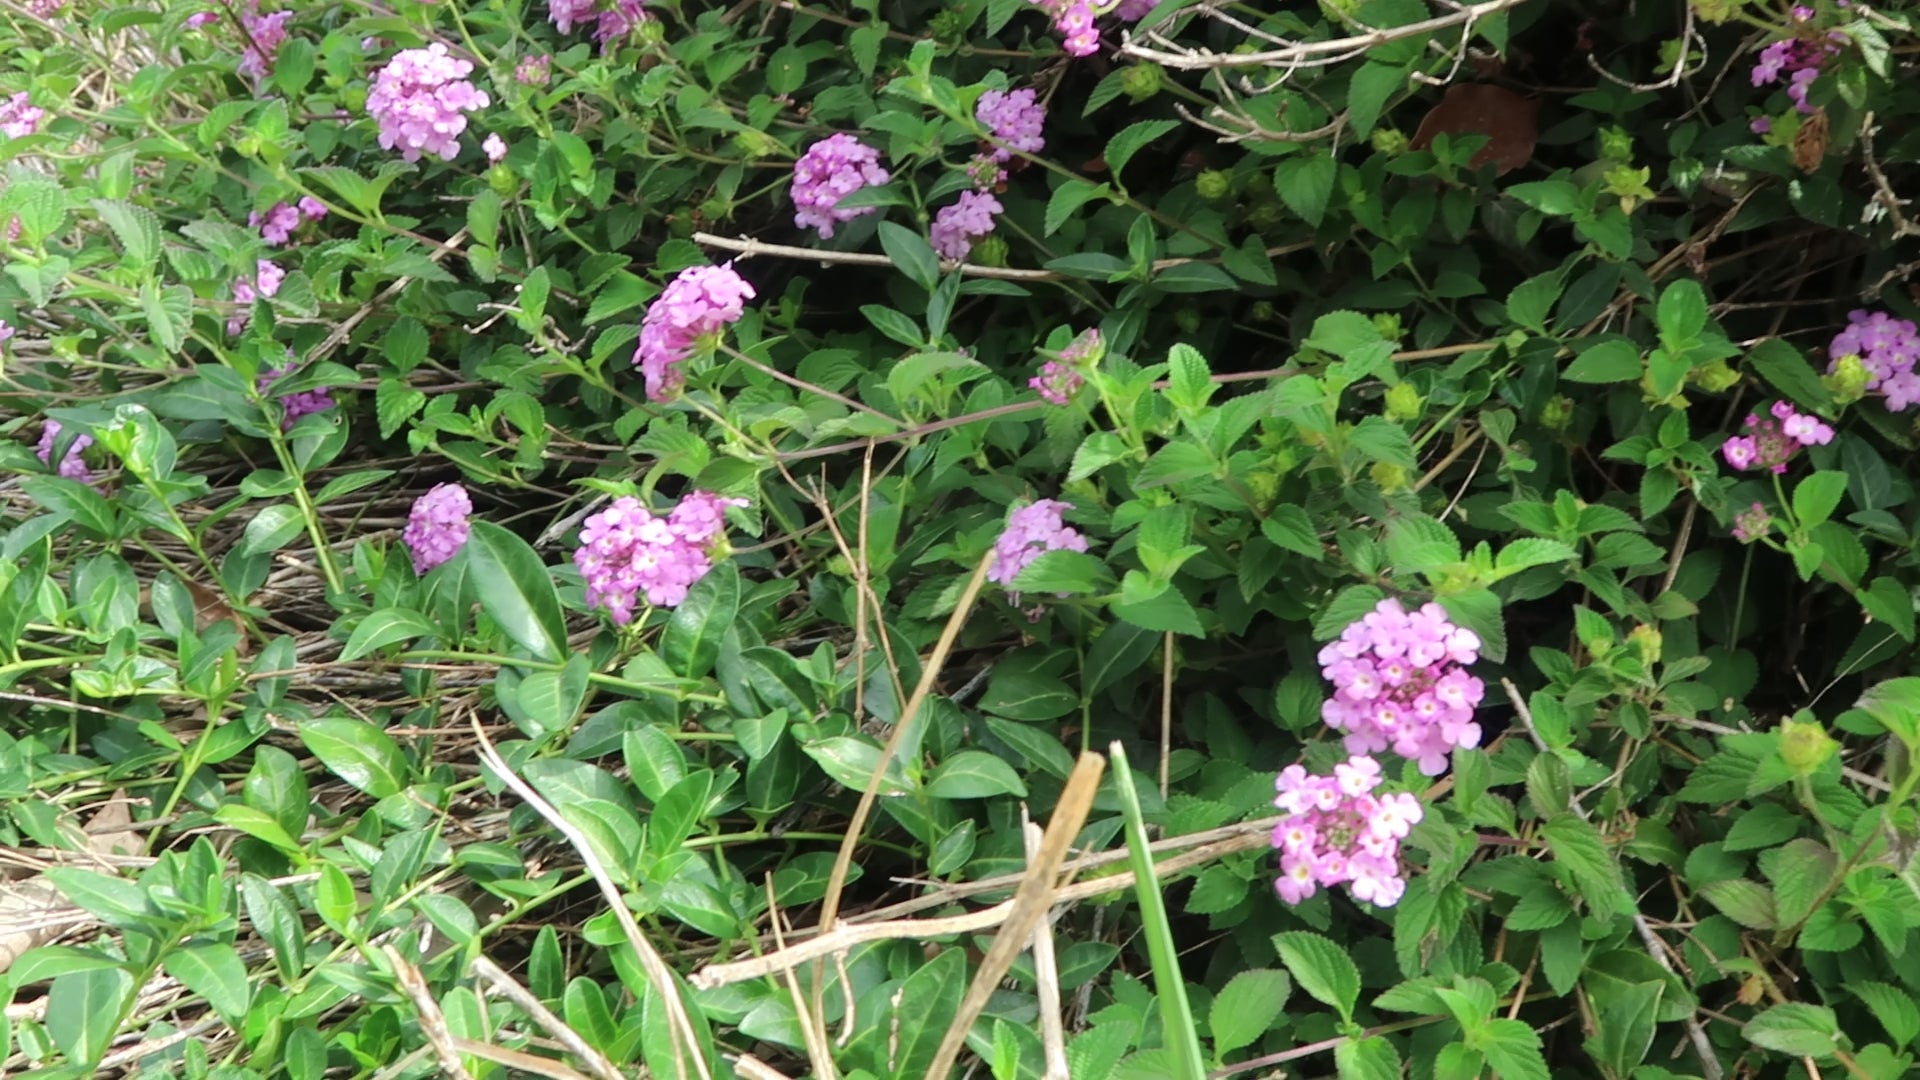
1400	683
1796	61
1337	832
264	36
1753	523
1032	531
6	332
494	147
265	281
44	9
202	18
697	304
294	406
611	22
418	100
438	525
1015	119
830	170
71	466
1772	440
1887	348
1061	377
627	552
277	224
534	71
1073	21
19	116
957	226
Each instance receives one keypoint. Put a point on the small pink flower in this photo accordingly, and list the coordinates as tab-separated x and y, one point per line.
1336	830
494	147
696	306
437	526
830	170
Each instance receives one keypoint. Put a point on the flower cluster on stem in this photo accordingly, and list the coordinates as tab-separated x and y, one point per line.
1772	440
281	219
957	226
628	553
1032	530
296	405
1887	348
1796	61
19	116
1336	831
689	315
438	526
1015	118
830	170
264	34
1400	683
420	99
265	282
71	465
1063	376
1073	21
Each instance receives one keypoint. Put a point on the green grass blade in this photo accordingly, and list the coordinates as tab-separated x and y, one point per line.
1184	1058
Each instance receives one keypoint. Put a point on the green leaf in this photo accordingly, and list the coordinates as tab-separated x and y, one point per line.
850	761
1577	845
384	627
1624	1025
1131	139
1531	301
974	774
357	752
1512	1048
394	403
1893	1007
84	1012
1801	871
215	972
1305	183
596	804
1787	369
1289	527
1322	969
518	592
1797	1029
1062	571
1528	552
1419	544
169	313
1888	601
911	252
1615	361
1167	612
1190	383
1895	703
691	641
1178	1034
912	374
272	528
138	230
1816	497
1246	1008
1682	312
1067	198
929	1000
1368	93
1371	1058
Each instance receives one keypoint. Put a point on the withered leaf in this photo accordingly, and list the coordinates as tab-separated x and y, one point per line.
1509	121
1810	142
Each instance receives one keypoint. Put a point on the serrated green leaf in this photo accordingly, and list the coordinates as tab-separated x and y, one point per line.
1748	903
1131	139
1322	969
1798	1029
1247	1007
1577	845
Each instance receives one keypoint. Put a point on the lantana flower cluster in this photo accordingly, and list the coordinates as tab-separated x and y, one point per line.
1772	440
296	405
830	170
958	225
71	466
696	306
1032	531
260	44
1886	348
1400	683
611	19
281	219
19	116
628	553
438	526
1015	117
1796	61
1073	21
265	282
1753	523
1063	376
1336	831
420	100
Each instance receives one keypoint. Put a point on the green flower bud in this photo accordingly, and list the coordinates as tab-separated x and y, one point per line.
1388	324
502	181
1390	141
756	143
1262	311
1264	215
1214	184
1715	376
1141	81
1647	641
1804	744
648	33
715	210
1717	11
989	251
1188	320
1616	144
946	25
1557	413
1389	476
1264	486
1848	379
1404	403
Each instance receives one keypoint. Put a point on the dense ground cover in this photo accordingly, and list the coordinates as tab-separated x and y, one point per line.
851	538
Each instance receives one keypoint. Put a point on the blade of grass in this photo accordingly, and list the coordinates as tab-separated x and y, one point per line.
1184	1060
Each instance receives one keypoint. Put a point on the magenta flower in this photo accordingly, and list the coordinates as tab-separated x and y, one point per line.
264	283
1400	683
1773	440
19	116
264	36
627	552
494	147
1061	377
71	466
1753	523
277	224
419	100
1073	21
44	9
830	170
438	526
311	208
1797	62
1015	118
202	18
957	226
1134	10
985	172
1337	832
1887	348
617	21
6	332
696	306
293	406
1032	530
534	71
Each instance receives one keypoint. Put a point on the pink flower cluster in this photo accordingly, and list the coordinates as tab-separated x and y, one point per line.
1061	377
627	552
615	20
1032	530
437	526
534	71
494	147
1772	440
1400	683
1015	119
1887	348
419	100
71	466
958	225
44	9
830	170
277	224
265	281
19	116
1337	832
1073	21
294	406
264	36
697	304
1753	523
1798	59
6	331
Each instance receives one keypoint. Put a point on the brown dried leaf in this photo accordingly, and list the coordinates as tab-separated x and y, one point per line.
33	912
1810	142
1509	121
